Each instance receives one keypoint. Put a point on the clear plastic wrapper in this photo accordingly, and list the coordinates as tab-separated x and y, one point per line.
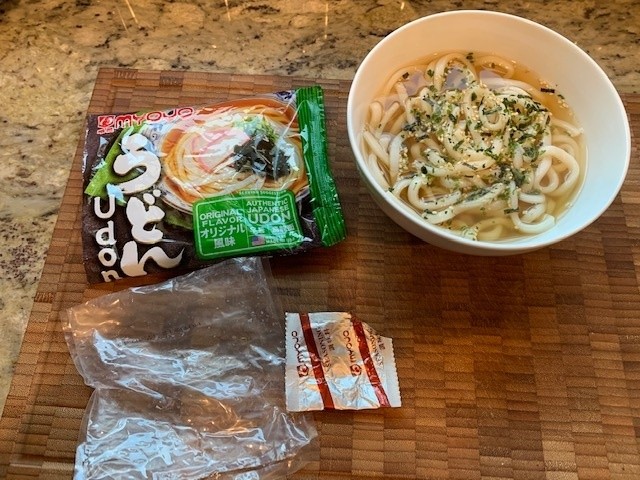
335	361
182	187
189	380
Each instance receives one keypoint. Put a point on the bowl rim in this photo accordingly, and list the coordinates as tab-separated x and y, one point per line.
525	243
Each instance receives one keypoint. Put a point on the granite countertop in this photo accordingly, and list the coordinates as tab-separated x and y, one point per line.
51	50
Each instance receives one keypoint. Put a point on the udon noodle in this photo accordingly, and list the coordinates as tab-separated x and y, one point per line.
240	146
472	146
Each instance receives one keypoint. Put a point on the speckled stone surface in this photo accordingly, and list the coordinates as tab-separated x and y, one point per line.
51	50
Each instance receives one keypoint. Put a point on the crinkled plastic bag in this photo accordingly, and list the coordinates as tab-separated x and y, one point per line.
189	380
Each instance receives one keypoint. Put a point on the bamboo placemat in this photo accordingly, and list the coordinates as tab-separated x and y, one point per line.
521	367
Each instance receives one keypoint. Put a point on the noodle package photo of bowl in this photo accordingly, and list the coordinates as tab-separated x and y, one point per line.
487	134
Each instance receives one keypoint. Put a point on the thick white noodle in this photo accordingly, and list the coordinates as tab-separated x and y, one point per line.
435	157
567	143
572	130
375	113
497	83
531	198
256	180
395	157
571	176
397	126
398	75
384	140
388	115
405	101
543	225
442	64
374	168
400	187
491	62
421	105
533	213
512	199
375	147
418	201
491	228
518	158
546	178
453	210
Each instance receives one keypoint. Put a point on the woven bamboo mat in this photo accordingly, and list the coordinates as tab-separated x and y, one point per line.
522	367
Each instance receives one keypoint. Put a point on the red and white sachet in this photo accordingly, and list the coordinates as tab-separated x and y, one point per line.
334	361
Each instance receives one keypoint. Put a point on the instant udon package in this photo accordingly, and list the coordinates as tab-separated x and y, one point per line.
179	188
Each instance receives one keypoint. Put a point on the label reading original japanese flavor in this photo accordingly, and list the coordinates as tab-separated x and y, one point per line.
250	221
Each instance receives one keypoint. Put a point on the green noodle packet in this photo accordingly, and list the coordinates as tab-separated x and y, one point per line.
183	187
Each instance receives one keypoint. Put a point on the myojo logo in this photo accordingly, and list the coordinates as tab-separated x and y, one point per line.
302	367
111	123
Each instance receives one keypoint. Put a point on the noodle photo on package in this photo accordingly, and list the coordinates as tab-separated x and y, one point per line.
222	150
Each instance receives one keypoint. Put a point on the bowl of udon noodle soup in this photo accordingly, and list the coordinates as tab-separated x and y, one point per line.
487	133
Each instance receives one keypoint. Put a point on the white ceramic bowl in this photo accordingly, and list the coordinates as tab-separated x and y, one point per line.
586	88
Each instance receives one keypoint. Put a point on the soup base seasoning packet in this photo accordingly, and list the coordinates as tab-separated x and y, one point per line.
334	361
178	188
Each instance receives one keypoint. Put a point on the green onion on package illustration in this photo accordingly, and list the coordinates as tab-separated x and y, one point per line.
179	188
